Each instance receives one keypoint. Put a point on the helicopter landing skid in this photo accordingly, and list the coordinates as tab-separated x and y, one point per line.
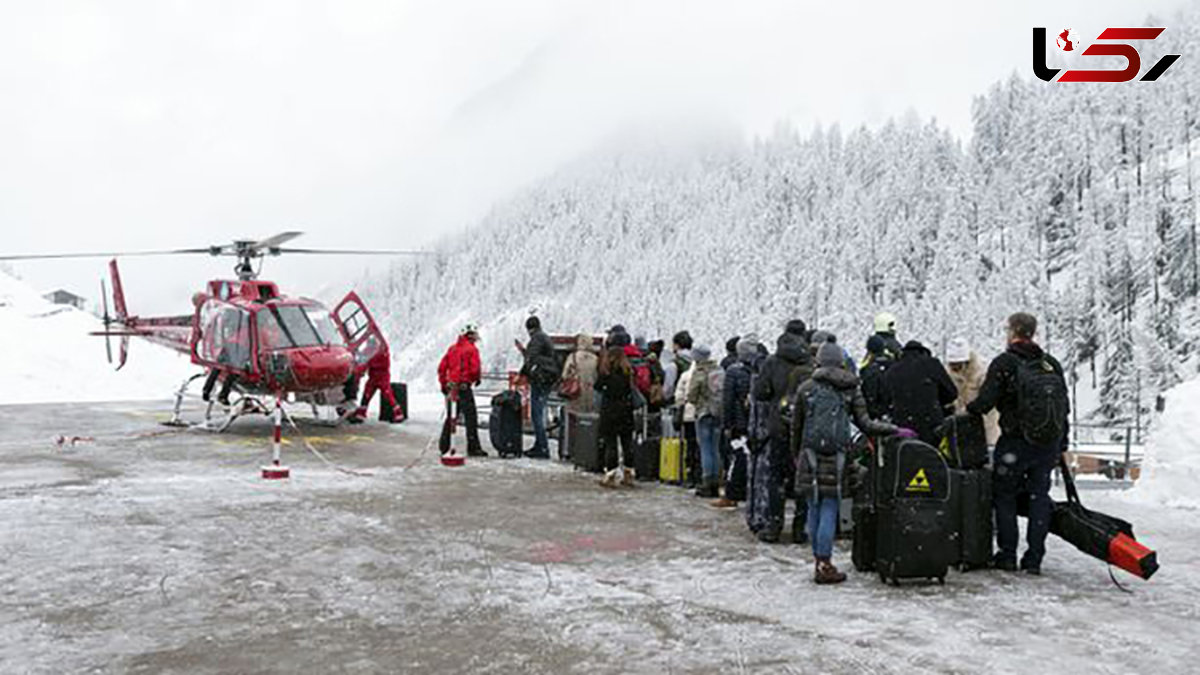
176	417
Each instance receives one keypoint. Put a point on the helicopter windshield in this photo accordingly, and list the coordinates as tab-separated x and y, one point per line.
286	326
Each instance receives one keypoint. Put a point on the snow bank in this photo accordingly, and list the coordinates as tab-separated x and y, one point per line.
47	356
1171	471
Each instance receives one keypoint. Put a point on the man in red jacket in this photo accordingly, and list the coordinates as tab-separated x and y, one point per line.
379	378
458	373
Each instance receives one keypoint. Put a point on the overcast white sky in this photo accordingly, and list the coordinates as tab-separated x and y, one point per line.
168	123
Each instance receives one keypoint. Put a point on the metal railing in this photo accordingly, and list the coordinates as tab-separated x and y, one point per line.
1119	448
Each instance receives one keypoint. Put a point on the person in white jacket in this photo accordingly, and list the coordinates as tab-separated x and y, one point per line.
692	446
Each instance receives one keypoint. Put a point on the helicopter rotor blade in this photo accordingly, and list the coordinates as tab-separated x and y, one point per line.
337	251
273	243
120	254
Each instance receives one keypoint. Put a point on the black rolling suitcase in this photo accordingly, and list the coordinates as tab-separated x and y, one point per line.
972	511
862	552
386	414
737	473
504	423
646	447
915	531
583	438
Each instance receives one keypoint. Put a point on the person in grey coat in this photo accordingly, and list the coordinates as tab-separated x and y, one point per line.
823	409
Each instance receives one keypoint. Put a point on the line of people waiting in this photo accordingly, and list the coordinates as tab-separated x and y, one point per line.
774	427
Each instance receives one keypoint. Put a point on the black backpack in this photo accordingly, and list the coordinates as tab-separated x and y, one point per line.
826	421
1042	401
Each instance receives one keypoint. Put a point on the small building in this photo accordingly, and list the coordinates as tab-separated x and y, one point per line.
61	297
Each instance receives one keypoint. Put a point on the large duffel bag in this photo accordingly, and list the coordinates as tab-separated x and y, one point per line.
504	423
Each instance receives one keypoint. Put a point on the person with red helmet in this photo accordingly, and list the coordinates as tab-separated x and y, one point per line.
379	378
458	373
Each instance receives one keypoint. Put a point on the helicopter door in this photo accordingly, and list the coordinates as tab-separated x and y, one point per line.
358	329
224	337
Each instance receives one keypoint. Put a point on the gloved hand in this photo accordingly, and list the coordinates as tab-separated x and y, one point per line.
905	432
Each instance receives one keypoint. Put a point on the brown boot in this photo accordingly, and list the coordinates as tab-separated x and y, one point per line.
826	573
723	503
627	477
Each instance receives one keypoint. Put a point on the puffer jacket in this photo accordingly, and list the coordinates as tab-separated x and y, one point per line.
681	394
736	397
919	392
826	473
969	381
791	363
582	364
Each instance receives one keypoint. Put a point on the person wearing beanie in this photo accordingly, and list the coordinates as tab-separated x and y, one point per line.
919	392
967	373
730	352
735	419
871	372
542	371
704	394
773	465
796	327
825	406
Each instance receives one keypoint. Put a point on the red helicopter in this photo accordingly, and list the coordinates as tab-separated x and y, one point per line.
244	332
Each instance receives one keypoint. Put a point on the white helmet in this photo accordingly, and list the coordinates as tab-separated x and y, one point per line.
470	329
885	322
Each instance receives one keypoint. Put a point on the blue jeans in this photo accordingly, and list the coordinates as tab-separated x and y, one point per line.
537	410
822	524
1022	467
708	433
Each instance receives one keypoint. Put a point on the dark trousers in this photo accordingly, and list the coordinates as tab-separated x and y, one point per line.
611	459
692	443
1022	467
466	406
211	381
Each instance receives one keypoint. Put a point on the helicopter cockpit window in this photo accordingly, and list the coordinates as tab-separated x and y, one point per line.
323	322
225	336
286	326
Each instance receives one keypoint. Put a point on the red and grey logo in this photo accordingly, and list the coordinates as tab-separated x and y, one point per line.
1112	42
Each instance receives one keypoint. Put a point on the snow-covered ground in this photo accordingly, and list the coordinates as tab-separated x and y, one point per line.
46	355
140	552
1171	470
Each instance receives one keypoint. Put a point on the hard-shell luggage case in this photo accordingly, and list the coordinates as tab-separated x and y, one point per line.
915	530
504	424
646	448
972	491
671	465
583	438
400	391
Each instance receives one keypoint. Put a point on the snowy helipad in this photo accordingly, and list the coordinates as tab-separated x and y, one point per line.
167	553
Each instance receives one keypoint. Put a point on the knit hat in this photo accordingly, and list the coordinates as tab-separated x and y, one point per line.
640	343
747	347
796	327
958	351
731	344
820	337
876	345
829	355
701	353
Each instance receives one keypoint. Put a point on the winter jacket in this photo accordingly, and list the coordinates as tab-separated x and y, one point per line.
736	395
969	381
379	367
541	365
827	474
999	388
616	402
582	365
657	398
873	388
891	345
790	365
460	365
700	395
920	392
681	394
